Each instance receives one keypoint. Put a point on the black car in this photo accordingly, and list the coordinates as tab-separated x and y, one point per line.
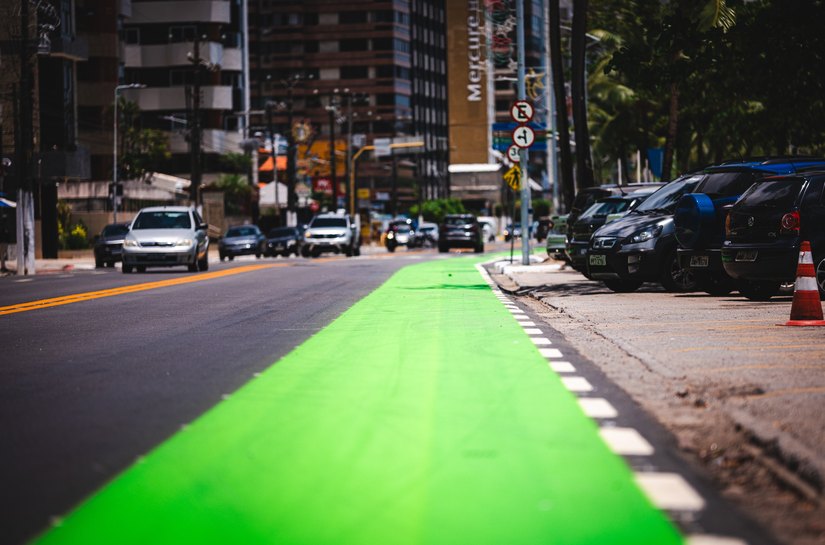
241	240
700	216
593	218
586	197
283	241
109	244
764	230
460	231
640	247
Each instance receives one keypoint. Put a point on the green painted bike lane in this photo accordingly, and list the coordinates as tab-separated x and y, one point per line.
422	415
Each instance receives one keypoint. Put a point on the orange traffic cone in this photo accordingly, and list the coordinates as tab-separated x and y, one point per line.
806	309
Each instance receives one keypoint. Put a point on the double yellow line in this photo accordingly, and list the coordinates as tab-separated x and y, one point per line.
88	296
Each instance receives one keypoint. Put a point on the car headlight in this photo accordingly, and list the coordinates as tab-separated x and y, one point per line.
184	242
130	243
646	234
308	234
390	235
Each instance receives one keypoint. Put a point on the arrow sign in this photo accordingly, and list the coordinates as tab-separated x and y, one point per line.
513	154
521	111
523	136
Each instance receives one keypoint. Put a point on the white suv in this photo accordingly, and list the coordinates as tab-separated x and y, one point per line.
166	236
337	233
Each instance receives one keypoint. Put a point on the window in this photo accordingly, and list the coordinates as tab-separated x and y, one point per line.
311	47
384	71
352	17
382	16
381	44
401	45
385	100
182	33
354	72
356	44
131	36
180	77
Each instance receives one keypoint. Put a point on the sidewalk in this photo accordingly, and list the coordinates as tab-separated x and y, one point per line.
424	414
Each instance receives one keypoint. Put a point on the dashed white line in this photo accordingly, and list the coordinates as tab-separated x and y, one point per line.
541	341
516	311
713	540
577	384
597	407
521	318
532	330
550	352
626	441
669	491
526	323
562	367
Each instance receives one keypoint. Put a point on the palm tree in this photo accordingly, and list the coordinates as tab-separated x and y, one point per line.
584	162
568	188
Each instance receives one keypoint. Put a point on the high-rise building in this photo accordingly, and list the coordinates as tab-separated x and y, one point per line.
378	67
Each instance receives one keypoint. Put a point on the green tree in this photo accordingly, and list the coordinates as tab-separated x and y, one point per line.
435	210
142	151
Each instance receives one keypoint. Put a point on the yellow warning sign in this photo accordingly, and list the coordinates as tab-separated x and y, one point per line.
513	177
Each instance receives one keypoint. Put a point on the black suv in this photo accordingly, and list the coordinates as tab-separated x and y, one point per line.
700	216
764	230
640	247
109	244
460	231
284	241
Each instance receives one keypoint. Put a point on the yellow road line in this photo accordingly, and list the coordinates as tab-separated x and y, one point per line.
88	296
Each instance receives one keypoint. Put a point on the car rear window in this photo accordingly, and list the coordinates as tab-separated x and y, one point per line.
163	220
329	222
773	194
726	184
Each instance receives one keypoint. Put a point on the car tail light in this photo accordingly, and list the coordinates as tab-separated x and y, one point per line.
790	223
727	225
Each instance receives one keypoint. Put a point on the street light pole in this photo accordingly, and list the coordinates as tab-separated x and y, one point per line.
114	149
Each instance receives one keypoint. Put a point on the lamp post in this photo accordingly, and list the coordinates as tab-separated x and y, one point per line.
115	182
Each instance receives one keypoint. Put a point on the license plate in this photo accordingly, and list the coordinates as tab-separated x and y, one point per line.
279	247
698	261
746	255
598	260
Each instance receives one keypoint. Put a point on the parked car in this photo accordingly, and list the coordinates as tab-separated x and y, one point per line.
764	230
557	238
166	236
283	241
700	215
640	247
109	244
596	216
428	234
331	232
242	240
460	231
585	198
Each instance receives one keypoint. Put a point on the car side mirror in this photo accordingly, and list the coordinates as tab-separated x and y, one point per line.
203	227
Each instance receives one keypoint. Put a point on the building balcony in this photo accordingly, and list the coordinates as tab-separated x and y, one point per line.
174	54
232	59
218	97
192	11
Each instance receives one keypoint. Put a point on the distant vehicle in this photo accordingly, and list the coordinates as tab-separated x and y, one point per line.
489	225
166	236
242	240
513	230
596	216
543	226
557	238
700	215
109	244
428	234
764	231
641	247
460	231
400	233
284	241
330	232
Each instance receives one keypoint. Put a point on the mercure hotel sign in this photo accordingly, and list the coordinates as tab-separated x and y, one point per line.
474	40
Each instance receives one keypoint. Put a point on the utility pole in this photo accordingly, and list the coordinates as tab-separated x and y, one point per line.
332	164
348	197
290	158
23	150
195	124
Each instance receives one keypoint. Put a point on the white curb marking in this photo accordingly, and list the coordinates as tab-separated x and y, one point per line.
669	491
576	384
526	323
562	367
532	330
713	540
626	441
516	311
550	352
541	341
597	407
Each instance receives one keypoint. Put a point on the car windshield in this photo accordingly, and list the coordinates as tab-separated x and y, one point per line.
666	198
772	194
403	228
603	208
241	232
162	219
329	222
282	232
115	230
457	221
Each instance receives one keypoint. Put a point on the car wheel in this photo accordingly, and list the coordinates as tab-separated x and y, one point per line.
390	248
141	268
203	264
757	291
316	252
356	251
231	258
258	255
674	277
442	248
623	286
479	249
127	268
222	257
820	277
716	284
193	267
99	263
305	251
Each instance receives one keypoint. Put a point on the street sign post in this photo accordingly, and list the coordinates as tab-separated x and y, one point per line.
521	111
513	153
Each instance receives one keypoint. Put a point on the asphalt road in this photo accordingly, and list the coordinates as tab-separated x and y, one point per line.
87	387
